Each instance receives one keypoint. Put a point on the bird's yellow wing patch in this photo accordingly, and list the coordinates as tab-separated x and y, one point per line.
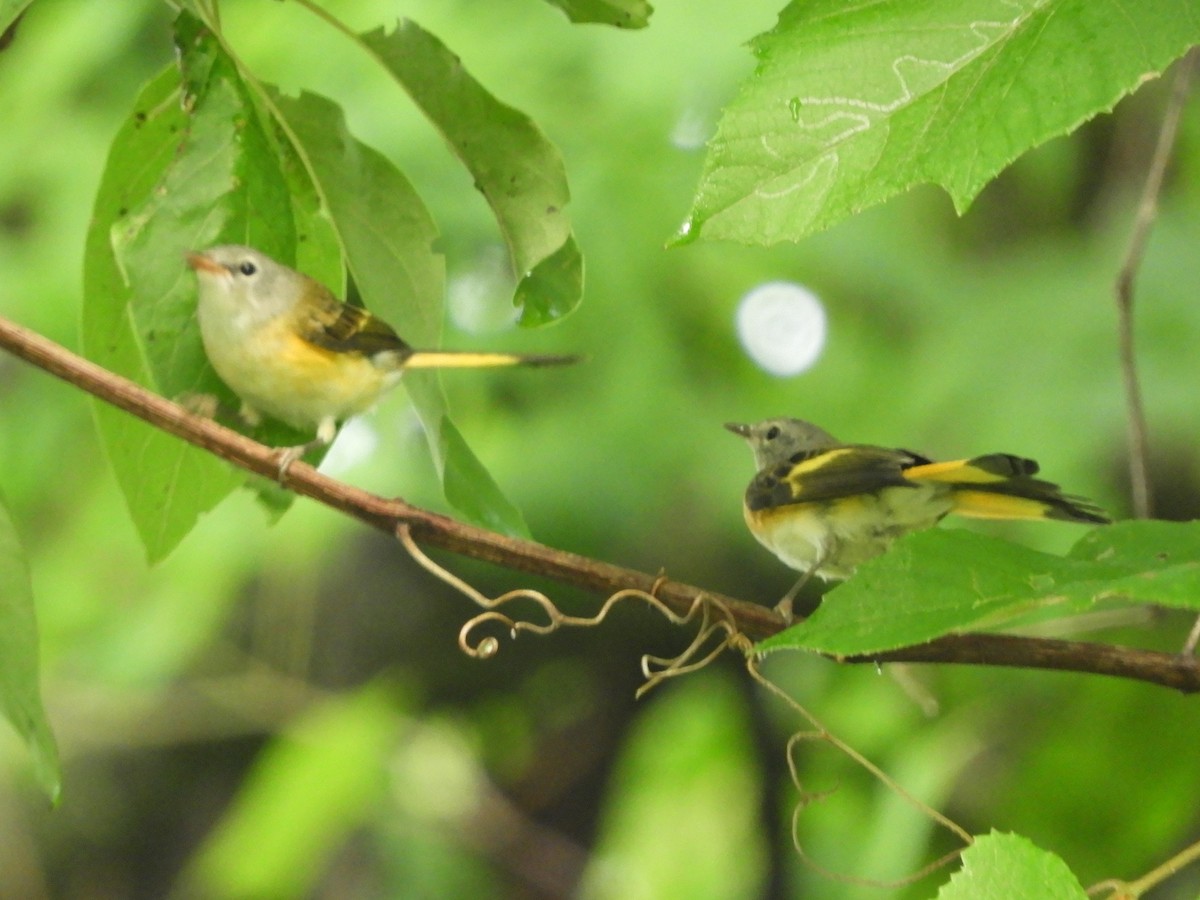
990	505
829	475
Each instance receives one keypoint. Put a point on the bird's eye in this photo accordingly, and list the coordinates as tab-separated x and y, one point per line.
772	432
247	268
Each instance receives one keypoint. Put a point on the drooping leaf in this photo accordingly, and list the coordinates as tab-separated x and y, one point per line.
166	483
20	694
553	287
193	167
382	222
945	581
198	166
853	103
1001	866
618	13
470	488
388	236
515	167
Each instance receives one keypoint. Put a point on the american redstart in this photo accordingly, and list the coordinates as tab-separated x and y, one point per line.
824	507
288	348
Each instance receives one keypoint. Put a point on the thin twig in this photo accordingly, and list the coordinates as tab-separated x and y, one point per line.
751	619
807	798
1156	876
1147	211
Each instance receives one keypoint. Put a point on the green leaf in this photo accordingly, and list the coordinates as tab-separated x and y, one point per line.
553	287
388	236
135	320
192	167
686	778
470	488
1005	866
853	103
307	792
944	582
383	225
199	168
10	11
619	13
515	167
20	696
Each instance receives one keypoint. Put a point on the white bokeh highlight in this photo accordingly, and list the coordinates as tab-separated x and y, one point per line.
782	327
479	300
355	443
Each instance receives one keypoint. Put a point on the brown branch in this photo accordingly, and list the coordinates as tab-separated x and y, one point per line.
1147	211
599	577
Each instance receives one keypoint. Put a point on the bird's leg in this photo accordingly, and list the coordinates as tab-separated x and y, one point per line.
326	432
249	415
206	405
784	606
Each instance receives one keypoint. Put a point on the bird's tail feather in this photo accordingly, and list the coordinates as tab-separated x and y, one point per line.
1002	486
471	359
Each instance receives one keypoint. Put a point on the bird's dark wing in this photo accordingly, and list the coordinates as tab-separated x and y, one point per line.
830	475
338	326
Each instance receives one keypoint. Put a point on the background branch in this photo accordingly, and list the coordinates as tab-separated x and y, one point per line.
434	529
1139	469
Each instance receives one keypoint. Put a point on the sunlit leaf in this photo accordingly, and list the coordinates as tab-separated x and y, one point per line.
20	696
949	581
1005	866
853	103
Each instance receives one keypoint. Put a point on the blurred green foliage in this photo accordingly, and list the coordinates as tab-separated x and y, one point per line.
193	700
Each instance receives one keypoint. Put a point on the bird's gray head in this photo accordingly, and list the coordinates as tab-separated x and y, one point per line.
775	440
242	281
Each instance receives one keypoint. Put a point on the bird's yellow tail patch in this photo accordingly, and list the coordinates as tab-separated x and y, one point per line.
468	359
1002	486
989	505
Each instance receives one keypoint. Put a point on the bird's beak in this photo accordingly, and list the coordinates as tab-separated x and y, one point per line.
202	263
739	429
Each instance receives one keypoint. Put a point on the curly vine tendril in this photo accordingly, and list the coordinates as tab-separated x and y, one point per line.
716	621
